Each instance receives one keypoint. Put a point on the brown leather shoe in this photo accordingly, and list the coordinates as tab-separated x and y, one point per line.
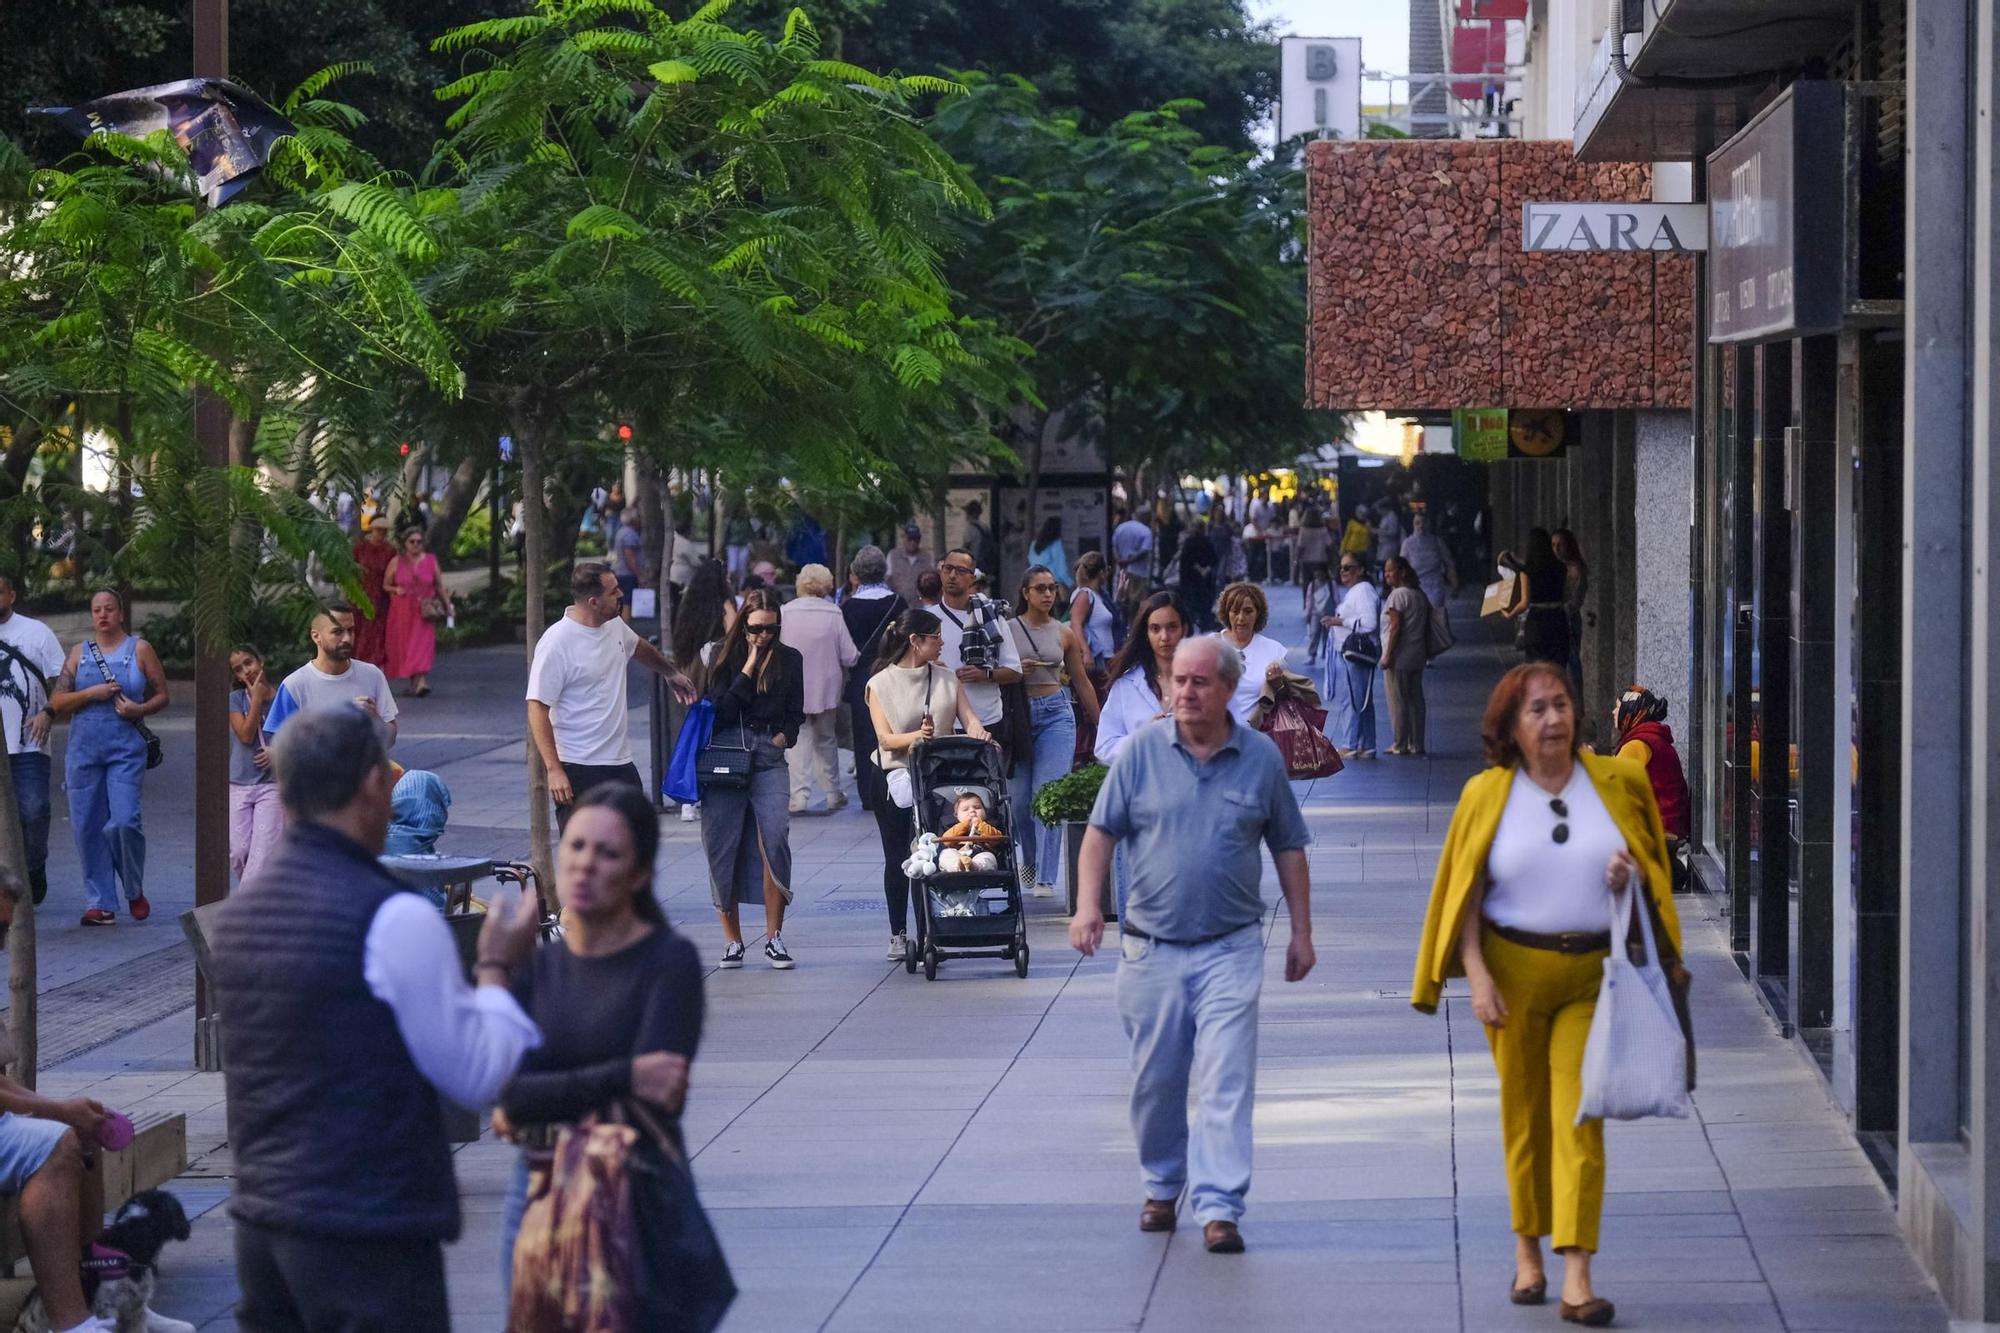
1533	1294
1222	1238
1157	1215
1593	1313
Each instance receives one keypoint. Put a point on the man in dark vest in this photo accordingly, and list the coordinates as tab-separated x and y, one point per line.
347	1019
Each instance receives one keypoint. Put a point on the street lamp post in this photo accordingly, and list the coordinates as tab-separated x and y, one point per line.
211	668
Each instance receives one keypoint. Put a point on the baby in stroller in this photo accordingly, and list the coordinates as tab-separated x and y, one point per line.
965	844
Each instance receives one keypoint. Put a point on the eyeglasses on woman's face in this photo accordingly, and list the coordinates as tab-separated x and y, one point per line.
1041	587
768	627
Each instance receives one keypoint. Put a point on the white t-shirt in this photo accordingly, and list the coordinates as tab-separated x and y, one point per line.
579	672
984	697
30	659
309	688
1257	660
1538	884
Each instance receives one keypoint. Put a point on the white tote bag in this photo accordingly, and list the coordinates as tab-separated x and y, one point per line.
1635	1062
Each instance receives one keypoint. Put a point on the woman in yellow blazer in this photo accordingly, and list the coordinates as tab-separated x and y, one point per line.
1521	909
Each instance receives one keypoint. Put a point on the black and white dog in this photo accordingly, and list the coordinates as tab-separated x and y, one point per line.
118	1272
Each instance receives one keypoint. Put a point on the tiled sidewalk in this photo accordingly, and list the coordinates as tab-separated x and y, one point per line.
881	1151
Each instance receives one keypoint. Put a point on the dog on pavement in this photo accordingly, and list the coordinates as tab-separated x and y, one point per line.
119	1270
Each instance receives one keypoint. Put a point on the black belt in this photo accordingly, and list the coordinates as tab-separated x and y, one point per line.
1139	934
1572	941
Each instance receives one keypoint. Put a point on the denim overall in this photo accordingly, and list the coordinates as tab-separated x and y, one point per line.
105	768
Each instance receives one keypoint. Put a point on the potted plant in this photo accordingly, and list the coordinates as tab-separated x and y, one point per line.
1068	801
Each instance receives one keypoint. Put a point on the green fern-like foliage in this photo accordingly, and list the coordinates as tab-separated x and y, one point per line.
717	232
298	307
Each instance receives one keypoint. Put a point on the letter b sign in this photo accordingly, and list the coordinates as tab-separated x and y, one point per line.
1319	63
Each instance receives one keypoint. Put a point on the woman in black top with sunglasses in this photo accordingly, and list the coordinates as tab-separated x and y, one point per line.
758	687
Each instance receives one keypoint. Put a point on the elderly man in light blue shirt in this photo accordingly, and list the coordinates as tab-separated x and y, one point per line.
1192	799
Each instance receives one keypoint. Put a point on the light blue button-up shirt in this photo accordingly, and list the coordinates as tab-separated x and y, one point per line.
1191	828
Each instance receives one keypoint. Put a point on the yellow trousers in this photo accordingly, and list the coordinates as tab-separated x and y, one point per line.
1555	1167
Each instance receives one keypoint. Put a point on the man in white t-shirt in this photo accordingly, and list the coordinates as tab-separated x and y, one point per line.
576	690
959	610
30	658
333	679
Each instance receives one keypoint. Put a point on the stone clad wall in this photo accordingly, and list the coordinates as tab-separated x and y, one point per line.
1421	297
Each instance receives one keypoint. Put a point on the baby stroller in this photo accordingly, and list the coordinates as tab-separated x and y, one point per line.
973	913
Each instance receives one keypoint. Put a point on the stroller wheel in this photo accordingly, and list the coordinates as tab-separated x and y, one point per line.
909	958
1021	962
930	962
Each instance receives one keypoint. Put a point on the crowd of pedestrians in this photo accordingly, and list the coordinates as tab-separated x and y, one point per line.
347	1038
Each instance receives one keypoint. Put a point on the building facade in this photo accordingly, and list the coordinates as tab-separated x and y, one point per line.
1806	546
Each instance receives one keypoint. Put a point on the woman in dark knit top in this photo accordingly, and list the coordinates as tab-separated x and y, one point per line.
618	1000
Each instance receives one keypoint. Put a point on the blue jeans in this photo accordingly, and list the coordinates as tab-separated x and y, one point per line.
1349	685
1191	1010
31	798
1054	721
511	1209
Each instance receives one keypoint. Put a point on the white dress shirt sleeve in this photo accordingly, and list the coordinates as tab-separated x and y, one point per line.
466	1040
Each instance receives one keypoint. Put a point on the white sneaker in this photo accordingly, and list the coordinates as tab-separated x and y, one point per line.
732	957
690	813
899	946
1042	890
775	954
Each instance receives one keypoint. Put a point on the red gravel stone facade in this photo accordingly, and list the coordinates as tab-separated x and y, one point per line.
1421	297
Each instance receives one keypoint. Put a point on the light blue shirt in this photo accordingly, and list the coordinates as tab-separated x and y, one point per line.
1191	829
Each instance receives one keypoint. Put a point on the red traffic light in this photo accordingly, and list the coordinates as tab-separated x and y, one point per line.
624	431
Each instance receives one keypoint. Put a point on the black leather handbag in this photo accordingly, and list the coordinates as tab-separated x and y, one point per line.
722	766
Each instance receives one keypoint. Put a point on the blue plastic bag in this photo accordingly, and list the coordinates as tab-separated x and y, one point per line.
681	784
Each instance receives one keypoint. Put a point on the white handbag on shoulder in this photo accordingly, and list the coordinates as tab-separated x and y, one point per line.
1635	1061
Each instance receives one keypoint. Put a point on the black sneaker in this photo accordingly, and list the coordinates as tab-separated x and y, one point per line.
732	957
774	951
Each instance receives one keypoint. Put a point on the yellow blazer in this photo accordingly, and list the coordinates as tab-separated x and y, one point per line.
1627	795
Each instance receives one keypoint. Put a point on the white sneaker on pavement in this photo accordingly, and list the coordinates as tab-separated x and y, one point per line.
690	813
1043	890
899	946
775	954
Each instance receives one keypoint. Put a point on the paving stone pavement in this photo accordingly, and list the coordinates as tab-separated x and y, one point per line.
875	1149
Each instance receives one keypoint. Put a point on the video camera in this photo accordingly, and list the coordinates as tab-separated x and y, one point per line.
979	645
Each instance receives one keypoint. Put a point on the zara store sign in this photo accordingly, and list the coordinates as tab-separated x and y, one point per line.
1614	227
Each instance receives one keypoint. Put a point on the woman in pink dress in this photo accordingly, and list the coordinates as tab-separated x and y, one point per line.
373	553
413	584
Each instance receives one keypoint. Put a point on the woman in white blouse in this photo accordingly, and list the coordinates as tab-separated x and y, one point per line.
1141	692
1244	614
1350	686
1141	674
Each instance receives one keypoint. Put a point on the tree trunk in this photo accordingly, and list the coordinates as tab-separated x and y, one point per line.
21	970
403	499
534	544
455	504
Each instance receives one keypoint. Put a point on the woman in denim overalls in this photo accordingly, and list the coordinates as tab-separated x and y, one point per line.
106	762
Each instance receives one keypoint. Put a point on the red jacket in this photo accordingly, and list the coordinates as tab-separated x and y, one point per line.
1663	769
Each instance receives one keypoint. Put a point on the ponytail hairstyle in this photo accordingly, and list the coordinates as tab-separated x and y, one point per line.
896	638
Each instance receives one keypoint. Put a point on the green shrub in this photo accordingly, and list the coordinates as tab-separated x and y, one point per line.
473	535
1069	798
278	628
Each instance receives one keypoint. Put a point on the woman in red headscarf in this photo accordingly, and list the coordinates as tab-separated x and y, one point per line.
373	553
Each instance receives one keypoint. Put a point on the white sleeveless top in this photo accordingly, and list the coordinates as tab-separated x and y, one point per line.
901	692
